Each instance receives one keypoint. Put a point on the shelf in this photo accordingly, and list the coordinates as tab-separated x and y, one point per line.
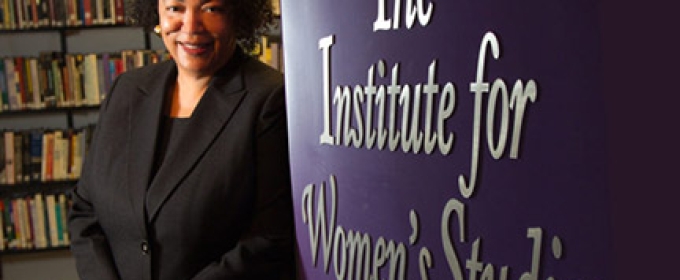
10	252
16	190
64	28
49	110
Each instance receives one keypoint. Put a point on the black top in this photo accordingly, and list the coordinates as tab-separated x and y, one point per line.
171	130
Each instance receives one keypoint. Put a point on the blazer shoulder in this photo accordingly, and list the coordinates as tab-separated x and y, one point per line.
260	75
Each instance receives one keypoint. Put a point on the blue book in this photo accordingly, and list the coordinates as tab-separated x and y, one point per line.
36	146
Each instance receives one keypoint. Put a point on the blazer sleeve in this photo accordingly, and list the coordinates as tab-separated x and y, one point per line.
266	250
89	244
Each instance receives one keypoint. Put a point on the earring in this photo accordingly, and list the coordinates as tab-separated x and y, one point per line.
157	29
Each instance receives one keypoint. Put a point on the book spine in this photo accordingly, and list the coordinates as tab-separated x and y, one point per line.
9	157
12	84
35	80
10	229
63	220
4	90
18	161
3	236
21	81
36	147
86	12
120	11
26	155
39	221
50	203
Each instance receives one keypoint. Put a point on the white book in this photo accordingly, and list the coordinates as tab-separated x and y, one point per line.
22	215
35	80
91	79
40	221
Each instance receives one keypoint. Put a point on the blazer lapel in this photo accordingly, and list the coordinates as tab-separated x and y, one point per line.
210	116
144	120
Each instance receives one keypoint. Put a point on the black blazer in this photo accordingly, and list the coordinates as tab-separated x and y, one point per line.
219	208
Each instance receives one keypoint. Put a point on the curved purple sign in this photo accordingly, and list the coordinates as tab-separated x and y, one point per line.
447	139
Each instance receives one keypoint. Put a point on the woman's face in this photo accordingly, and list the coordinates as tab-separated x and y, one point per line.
198	34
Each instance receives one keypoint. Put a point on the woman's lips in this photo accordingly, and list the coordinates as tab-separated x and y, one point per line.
195	49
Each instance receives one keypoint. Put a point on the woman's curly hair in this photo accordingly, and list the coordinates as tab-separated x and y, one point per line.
252	18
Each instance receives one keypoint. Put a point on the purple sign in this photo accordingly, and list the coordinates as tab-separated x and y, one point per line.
447	139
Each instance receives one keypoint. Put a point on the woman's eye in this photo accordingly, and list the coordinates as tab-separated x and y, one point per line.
214	9
172	8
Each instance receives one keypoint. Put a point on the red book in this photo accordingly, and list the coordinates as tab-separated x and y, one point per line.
87	12
120	12
19	72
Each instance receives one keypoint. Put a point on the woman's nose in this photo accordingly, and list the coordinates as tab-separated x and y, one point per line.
192	21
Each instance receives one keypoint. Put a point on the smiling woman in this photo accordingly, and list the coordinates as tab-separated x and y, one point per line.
188	172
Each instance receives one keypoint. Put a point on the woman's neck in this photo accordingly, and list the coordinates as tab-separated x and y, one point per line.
186	95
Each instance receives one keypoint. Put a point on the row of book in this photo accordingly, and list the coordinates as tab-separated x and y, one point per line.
41	155
57	79
26	14
36	221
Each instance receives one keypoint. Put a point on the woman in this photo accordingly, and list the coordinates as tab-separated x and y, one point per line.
187	176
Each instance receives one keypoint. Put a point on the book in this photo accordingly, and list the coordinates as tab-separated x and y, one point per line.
26	156
12	87
35	83
62	224
10	21
108	10
19	13
51	205
58	155
3	170
78	84
59	93
35	154
17	220
87	11
29	212
46	80
39	229
74	66
276	7
21	81
10	231
4	90
3	237
47	153
71	12
102	72
90	79
98	11
9	157
119	11
18	158
59	10
35	20
44	19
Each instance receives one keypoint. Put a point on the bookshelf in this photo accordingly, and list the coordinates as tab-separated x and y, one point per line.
47	258
62	115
